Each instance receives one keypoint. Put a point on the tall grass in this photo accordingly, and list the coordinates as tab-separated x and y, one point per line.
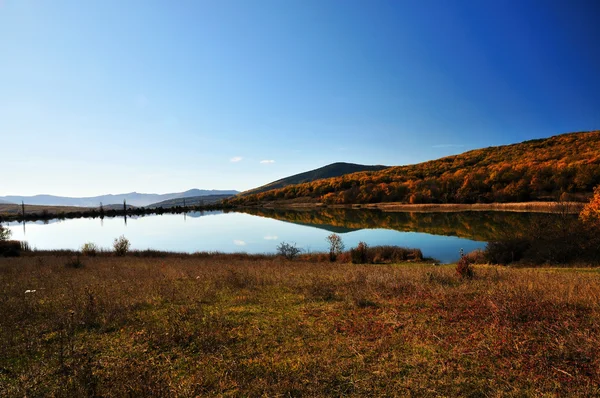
251	326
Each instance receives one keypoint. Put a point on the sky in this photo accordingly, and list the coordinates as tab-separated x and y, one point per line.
106	96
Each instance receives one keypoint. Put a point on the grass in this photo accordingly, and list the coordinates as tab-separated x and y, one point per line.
9	209
244	325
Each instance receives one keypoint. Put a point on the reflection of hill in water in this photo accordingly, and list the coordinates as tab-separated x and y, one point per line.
196	214
481	226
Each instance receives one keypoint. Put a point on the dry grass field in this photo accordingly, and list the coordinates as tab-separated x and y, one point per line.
235	325
8	209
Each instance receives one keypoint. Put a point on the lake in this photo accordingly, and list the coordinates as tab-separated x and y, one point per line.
439	235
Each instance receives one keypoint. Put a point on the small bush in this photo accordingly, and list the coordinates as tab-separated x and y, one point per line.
476	257
121	246
463	267
10	248
4	233
388	253
25	246
336	246
74	262
89	249
506	251
287	250
360	254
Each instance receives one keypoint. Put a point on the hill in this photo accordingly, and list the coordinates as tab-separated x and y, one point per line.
132	198
329	171
190	201
566	165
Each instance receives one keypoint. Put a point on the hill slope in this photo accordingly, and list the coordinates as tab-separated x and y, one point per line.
329	171
190	201
540	169
132	198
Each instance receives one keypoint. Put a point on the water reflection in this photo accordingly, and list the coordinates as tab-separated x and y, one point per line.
439	235
481	226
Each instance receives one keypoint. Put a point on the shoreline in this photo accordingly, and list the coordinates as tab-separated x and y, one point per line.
532	207
10	212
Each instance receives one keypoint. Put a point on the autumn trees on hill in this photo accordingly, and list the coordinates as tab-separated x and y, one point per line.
567	164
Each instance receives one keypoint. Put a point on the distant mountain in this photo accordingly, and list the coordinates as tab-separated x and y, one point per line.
565	166
329	171
133	198
4	201
190	201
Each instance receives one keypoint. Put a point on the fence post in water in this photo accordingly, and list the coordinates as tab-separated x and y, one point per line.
23	209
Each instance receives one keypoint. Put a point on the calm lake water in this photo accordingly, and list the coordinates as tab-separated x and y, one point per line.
438	235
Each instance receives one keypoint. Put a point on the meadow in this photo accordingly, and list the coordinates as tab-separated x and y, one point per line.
239	325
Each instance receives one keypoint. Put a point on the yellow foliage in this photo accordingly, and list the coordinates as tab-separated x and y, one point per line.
591	212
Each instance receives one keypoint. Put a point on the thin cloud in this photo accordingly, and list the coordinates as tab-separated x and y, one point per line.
239	242
271	237
448	146
236	159
267	161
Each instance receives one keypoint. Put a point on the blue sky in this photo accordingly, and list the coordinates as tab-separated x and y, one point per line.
160	96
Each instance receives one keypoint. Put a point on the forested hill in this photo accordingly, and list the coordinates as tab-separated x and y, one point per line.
329	171
543	169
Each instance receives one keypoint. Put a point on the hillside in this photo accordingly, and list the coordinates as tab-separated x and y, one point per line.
190	201
542	169
329	171
132	198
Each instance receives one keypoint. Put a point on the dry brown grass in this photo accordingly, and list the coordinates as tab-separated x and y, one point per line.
244	326
8	209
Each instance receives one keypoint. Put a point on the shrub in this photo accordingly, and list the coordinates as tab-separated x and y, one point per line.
336	246
74	262
590	214
89	249
506	251
389	253
463	267
10	248
287	250
4	233
360	255
476	257
121	245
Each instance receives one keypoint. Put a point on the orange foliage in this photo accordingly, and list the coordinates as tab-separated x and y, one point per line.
591	212
533	170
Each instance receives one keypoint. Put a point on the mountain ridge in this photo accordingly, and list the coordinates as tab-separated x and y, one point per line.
331	170
132	198
190	201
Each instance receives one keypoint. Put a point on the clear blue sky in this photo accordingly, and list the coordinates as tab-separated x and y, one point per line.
103	96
